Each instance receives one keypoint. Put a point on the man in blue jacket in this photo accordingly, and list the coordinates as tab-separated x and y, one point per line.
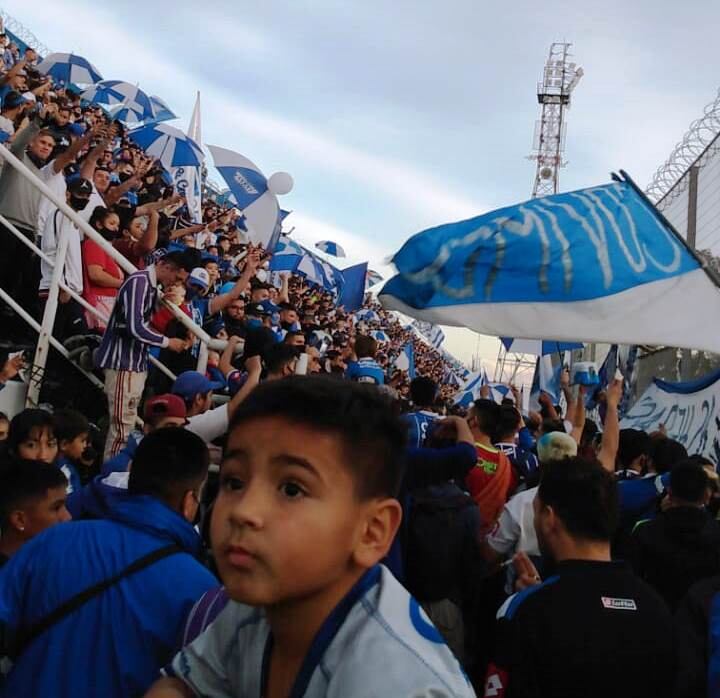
116	641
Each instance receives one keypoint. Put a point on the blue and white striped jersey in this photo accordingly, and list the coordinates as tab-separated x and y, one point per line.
128	337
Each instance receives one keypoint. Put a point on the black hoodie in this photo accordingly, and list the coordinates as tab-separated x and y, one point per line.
675	550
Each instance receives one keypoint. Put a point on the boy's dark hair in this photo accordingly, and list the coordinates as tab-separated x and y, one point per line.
69	424
666	453
365	346
185	259
633	444
487	413
372	436
289	336
21	481
278	355
423	391
169	462
509	422
23	423
689	482
583	495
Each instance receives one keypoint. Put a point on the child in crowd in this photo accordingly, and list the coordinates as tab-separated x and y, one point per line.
72	431
305	513
31	437
32	498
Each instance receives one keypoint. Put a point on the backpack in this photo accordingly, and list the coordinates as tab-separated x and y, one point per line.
440	519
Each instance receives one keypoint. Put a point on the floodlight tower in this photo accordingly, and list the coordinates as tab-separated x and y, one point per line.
559	80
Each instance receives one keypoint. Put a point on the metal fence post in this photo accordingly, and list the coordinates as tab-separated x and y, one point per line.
46	328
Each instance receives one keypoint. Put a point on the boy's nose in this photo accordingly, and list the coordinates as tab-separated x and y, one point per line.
250	509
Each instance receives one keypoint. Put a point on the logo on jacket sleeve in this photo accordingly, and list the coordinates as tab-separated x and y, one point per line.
618	604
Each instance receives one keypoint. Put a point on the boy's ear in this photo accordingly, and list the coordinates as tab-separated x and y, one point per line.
16	519
381	522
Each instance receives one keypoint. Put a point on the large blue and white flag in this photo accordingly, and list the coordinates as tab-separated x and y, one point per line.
689	411
598	264
405	360
249	186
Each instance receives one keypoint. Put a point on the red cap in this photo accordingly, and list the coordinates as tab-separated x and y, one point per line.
161	406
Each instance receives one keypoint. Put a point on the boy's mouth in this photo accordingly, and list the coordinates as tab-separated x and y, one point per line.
239	557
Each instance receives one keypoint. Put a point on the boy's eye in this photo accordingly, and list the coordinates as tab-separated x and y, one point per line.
232	483
292	490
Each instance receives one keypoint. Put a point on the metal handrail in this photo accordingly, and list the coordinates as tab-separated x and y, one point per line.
97	313
12	160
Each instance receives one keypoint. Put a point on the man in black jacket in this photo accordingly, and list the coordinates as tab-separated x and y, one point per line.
682	544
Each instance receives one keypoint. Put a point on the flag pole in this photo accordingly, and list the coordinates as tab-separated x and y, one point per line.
711	273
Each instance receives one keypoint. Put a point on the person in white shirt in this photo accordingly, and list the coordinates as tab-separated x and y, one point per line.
69	319
515	530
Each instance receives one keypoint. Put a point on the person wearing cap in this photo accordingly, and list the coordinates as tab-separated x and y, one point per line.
160	411
20	203
199	283
196	391
12	106
69	318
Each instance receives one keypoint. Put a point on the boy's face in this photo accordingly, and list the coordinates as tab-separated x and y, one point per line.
73	449
286	523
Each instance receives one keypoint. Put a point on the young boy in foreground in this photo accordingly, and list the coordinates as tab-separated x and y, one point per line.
305	513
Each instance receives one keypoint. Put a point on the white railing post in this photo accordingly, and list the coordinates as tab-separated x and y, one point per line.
202	358
48	321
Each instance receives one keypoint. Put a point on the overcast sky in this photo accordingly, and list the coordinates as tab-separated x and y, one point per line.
397	116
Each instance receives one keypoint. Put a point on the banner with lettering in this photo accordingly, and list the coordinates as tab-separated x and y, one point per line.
689	411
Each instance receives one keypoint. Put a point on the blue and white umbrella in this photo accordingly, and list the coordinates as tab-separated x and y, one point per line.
161	111
127	102
330	247
169	145
68	68
538	347
254	194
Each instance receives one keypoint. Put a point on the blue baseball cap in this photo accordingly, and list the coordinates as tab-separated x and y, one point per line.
191	383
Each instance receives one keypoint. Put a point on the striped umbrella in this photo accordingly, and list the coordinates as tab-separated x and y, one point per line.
161	111
330	247
130	103
68	68
169	145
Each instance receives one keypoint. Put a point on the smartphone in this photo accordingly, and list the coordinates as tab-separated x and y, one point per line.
302	365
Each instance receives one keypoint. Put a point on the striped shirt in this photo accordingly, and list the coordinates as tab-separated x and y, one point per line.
129	336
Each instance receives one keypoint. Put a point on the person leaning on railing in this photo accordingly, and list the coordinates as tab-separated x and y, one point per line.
126	343
20	204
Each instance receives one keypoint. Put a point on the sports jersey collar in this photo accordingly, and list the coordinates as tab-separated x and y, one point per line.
584	566
324	637
152	275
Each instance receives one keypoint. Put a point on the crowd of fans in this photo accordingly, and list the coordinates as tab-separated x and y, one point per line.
361	537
